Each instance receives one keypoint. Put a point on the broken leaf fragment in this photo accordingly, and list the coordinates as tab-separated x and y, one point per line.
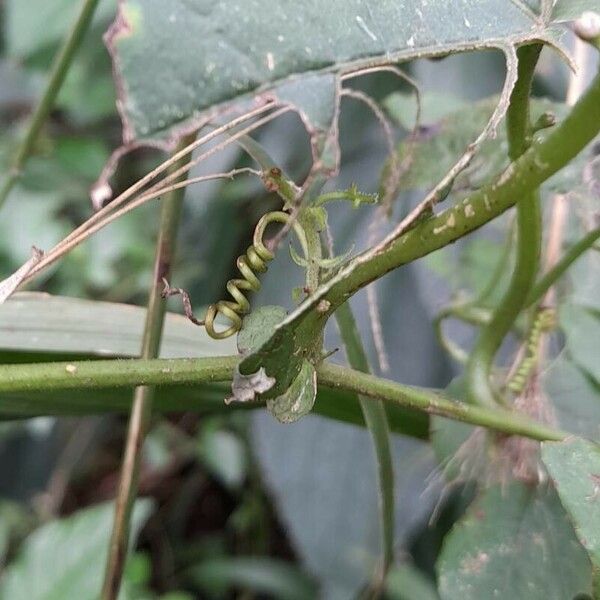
247	388
298	400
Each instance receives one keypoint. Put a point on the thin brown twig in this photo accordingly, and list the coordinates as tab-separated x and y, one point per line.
75	238
129	192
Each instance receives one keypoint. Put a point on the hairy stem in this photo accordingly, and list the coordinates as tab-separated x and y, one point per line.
141	411
58	72
378	426
94	374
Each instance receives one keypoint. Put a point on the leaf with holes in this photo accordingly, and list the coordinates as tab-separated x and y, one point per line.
209	53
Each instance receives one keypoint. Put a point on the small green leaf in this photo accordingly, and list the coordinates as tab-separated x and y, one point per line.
574	466
298	399
514	542
258	327
66	558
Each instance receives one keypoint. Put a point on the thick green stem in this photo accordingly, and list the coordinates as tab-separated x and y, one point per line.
58	72
544	158
141	411
529	240
377	423
128	373
501	420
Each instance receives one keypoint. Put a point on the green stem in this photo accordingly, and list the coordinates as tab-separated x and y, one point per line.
377	423
544	158
559	269
58	72
501	420
128	373
529	242
141	412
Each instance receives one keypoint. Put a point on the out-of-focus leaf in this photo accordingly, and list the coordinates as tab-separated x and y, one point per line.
66	558
268	576
224	455
515	541
248	47
442	140
309	468
574	466
36	25
581	327
40	322
408	583
402	107
574	397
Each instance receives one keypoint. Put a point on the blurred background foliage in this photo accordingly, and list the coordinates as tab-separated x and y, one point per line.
233	503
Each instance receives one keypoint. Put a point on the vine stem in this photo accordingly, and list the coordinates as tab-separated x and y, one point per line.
378	426
128	373
141	412
58	72
529	241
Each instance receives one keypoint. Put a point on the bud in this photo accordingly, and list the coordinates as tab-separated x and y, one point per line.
587	27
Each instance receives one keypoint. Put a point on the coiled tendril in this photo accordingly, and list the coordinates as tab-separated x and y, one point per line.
544	321
254	261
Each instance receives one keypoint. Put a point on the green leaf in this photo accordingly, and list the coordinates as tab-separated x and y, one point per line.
514	542
574	466
216	52
262	575
258	326
34	26
408	583
574	397
447	131
66	558
224	455
298	400
581	327
31	322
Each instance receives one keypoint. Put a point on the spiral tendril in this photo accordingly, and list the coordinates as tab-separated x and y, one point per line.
544	321
254	261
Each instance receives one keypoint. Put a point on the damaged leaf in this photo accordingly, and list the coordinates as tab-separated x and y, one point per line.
297	401
209	53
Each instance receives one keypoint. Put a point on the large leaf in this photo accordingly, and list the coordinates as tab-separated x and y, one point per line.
322	479
514	542
66	558
204	53
574	465
40	322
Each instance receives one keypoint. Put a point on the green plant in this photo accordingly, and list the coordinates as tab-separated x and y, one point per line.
513	151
